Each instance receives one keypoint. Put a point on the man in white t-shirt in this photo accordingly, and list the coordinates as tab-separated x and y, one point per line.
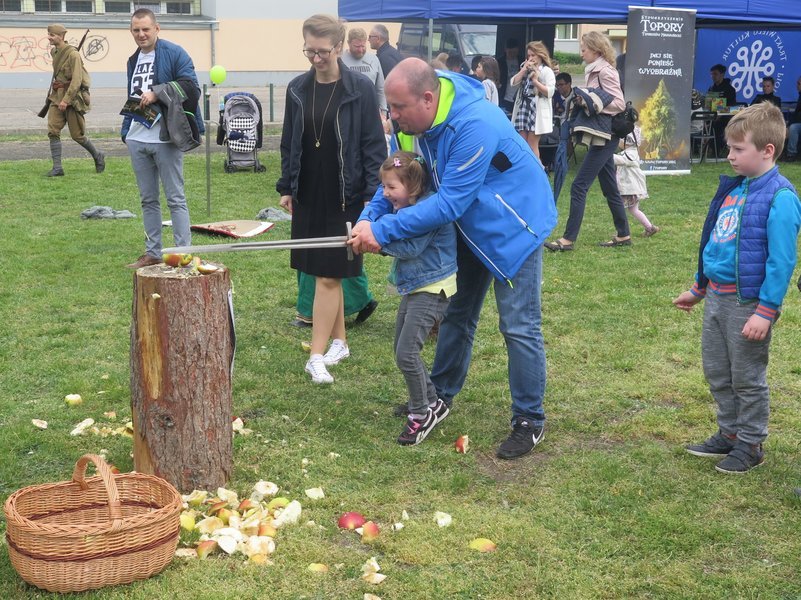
155	160
356	58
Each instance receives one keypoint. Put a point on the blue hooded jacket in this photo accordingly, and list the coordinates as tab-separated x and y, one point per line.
486	180
172	63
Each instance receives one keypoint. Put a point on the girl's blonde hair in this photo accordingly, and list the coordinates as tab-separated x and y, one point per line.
411	170
598	42
539	49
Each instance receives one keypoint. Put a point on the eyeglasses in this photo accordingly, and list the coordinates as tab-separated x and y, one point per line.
309	53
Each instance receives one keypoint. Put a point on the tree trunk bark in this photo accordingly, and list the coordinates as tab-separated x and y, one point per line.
182	350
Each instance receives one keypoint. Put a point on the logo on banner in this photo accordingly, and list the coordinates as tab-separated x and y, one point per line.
753	55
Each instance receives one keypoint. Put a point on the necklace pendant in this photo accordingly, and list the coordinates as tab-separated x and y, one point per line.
317	144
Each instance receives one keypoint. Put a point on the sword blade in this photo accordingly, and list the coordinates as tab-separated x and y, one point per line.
333	242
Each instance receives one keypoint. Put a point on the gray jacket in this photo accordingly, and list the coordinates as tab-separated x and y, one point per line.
178	124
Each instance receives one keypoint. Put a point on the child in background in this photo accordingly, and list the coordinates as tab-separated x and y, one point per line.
746	259
424	272
631	179
489	74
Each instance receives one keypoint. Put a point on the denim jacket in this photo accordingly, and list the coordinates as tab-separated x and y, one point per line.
425	259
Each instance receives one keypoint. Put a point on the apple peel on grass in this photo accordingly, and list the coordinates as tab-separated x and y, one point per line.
443	519
483	545
370	572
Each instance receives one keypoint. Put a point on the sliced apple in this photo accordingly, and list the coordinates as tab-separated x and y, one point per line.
483	545
462	444
370	531
205	548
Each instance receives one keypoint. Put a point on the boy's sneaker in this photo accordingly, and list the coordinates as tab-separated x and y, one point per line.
416	431
316	368
336	353
742	458
525	435
718	446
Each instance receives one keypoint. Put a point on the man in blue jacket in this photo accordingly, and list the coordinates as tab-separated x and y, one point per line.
153	158
489	183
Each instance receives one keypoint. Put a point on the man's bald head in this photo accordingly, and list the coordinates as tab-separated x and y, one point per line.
412	90
416	74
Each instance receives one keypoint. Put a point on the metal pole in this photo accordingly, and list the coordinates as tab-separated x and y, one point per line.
207	112
272	108
430	39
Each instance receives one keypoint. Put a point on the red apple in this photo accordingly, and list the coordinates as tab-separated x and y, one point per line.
351	520
370	531
462	443
205	548
172	260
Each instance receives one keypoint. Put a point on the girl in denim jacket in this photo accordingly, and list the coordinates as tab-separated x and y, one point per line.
424	272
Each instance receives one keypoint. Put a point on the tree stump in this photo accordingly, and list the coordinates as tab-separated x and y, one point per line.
182	350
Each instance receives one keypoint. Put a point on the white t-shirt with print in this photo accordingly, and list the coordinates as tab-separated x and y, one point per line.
142	79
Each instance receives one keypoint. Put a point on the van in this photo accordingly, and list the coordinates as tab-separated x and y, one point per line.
468	40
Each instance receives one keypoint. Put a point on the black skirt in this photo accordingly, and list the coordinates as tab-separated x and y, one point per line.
318	210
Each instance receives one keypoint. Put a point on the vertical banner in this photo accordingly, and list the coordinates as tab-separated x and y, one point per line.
660	53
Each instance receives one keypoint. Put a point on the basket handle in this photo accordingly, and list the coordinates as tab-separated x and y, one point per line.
79	477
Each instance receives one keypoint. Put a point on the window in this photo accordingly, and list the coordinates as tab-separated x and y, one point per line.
118	7
567	31
10	5
179	8
47	6
80	7
154	6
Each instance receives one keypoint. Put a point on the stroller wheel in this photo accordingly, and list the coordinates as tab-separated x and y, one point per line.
227	167
260	168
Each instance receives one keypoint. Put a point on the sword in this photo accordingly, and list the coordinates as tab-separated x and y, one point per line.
339	241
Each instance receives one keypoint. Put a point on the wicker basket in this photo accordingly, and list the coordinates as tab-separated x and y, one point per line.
92	532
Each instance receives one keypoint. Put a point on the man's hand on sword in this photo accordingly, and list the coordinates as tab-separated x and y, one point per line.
362	239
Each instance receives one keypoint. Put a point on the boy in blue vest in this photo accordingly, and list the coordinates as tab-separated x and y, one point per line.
746	259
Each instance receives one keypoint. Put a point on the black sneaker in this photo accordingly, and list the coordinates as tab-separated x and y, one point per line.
441	410
525	435
742	458
415	431
365	313
718	446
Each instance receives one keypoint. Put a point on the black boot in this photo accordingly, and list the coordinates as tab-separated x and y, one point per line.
100	158
55	152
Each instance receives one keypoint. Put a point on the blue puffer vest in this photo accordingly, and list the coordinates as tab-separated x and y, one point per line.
752	238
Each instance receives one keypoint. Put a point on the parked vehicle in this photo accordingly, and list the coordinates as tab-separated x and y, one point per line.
468	40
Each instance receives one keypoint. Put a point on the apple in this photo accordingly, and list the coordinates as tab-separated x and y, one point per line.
185	259
462	443
266	529
279	502
217	506
188	521
73	399
205	548
225	514
171	260
207	268
351	520
246	505
370	531
483	545
318	568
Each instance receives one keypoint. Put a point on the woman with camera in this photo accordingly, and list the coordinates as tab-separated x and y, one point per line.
533	114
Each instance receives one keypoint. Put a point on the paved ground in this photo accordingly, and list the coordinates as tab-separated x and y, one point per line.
19	108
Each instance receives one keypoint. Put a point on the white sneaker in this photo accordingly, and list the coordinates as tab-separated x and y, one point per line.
316	368
336	353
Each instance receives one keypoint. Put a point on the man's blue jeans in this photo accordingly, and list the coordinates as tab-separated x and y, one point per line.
792	139
164	162
520	321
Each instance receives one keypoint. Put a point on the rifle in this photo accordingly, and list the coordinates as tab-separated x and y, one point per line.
46	107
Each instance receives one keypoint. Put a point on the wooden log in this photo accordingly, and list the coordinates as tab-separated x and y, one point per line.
182	349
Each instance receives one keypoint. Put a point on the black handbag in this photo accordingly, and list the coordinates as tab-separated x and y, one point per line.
623	122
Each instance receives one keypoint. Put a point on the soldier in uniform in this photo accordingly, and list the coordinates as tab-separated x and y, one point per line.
69	100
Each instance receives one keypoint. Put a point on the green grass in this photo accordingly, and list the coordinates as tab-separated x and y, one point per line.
609	506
